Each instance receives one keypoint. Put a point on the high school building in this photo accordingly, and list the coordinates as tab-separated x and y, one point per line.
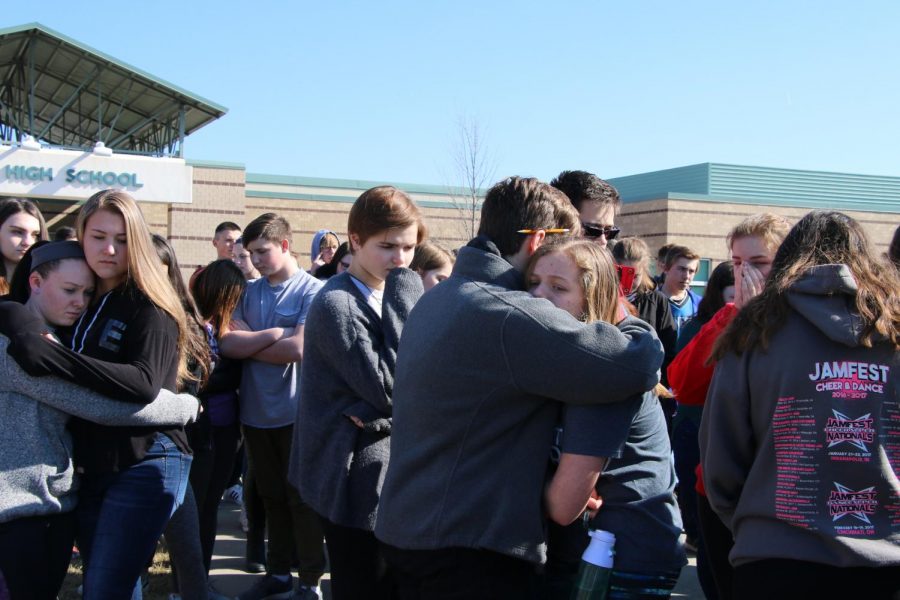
74	121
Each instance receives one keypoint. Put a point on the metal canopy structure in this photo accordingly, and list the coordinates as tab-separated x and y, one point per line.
69	95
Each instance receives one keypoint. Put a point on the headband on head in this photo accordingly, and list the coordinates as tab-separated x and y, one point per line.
55	251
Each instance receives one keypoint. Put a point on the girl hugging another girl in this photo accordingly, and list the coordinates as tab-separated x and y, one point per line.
616	455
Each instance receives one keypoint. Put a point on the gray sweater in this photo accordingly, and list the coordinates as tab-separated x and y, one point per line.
479	368
36	472
349	355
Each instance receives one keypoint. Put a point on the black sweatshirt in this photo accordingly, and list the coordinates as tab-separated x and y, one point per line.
125	348
653	307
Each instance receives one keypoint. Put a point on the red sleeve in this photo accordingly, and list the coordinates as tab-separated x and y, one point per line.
689	375
699	487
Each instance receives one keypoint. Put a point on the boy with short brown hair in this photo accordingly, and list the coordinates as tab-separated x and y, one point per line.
267	333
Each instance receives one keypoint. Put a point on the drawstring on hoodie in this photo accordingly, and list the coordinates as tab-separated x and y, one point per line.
91	324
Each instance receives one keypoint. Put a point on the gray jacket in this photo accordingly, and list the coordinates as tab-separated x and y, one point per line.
479	368
349	355
36	472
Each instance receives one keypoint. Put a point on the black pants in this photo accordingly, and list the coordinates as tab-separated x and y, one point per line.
358	569
256	517
293	525
459	574
210	472
783	579
717	542
34	555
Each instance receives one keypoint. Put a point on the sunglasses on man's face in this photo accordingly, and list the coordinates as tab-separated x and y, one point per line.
591	230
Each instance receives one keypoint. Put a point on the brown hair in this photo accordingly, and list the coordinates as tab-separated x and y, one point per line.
431	256
635	250
381	208
227	226
663	251
144	268
771	228
714	294
524	203
599	282
217	290
581	187
8	208
196	346
324	240
676	252
819	238
270	227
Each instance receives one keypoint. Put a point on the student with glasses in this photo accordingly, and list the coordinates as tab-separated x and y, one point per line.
596	201
596	232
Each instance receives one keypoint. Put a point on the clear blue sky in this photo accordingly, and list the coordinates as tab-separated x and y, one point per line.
373	90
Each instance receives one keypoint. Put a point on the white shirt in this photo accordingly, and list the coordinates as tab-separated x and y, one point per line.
373	297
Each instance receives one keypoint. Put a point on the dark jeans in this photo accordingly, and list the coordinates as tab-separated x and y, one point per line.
358	569
34	555
783	579
122	515
291	523
686	447
716	541
459	574
211	470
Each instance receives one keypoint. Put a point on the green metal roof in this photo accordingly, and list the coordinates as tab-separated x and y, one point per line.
717	182
215	164
66	93
356	184
250	193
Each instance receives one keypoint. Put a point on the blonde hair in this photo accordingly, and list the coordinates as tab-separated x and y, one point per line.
597	276
599	282
145	271
770	227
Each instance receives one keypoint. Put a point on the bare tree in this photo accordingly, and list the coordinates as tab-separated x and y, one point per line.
474	170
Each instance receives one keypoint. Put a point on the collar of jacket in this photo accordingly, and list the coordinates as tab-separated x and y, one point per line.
480	260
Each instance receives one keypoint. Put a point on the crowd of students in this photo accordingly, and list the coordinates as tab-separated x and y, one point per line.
451	423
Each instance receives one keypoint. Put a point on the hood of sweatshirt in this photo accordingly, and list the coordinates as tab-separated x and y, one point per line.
826	297
317	239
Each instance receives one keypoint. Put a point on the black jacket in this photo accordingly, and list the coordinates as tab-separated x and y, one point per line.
123	347
653	307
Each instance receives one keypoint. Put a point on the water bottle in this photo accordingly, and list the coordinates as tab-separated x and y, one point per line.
592	582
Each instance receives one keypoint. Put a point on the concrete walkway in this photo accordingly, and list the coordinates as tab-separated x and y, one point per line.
228	577
227	573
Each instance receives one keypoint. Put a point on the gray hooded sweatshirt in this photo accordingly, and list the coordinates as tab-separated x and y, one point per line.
800	443
36	472
317	239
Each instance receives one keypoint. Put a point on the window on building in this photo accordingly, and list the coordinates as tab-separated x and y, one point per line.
702	276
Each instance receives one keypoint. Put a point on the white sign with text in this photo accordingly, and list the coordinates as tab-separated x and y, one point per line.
73	175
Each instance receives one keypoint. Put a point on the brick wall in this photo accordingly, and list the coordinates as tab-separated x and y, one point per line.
218	195
703	226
